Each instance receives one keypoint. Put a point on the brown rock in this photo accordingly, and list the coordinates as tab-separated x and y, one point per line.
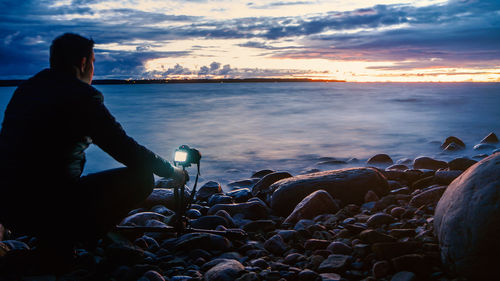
461	164
381	269
372	236
428	163
491	138
380	159
208	189
316	244
261	188
397	167
452	139
430	196
446	177
316	203
379	219
371	196
346	185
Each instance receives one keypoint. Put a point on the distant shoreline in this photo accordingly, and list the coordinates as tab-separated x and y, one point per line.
13	83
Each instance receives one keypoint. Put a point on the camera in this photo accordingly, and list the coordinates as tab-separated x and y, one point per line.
185	156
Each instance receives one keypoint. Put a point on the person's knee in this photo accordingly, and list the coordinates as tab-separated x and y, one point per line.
145	183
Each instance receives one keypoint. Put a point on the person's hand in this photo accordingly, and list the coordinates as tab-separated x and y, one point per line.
180	176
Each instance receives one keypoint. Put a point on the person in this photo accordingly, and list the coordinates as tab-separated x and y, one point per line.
49	122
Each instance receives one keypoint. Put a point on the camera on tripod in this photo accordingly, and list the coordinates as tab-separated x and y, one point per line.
185	156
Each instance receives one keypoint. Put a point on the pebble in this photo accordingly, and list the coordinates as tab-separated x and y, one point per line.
381	269
379	219
334	263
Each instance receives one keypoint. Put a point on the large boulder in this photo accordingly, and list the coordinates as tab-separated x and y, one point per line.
467	221
347	185
261	188
316	203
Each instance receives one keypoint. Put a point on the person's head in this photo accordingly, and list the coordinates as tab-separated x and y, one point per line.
74	54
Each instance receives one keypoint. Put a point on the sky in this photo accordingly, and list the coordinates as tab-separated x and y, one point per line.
359	41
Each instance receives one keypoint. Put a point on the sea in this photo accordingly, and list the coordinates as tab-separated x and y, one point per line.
299	127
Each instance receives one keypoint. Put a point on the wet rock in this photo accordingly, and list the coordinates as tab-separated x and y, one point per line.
339	248
240	195
490	138
430	196
260	225
208	189
461	164
446	177
404	276
316	244
316	203
371	196
403	190
484	146
260	174
219	199
389	250
162	196
209	222
428	163
381	269
261	188
397	212
308	275
453	147
243	183
205	241
347	185
142	219
251	210
330	277
162	210
373	236
226	216
193	214
152	275
397	167
331	162
228	270
380	159
334	263
275	245
452	139
464	220
379	219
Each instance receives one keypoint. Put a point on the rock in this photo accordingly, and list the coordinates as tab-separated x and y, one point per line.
142	219
316	244
275	245
380	159
491	138
397	212
381	269
331	162
261	188
428	163
260	225
252	210
193	214
316	203
217	198
152	275
397	167
339	248
400	233
162	196
162	210
250	276
205	241
452	139
467	218
484	146
347	185
240	195
330	277
413	263
226	216
208	189
378	219
372	236
228	270
461	164
308	275
334	263
389	250
124	254
404	276
453	147
430	196
446	177
260	174
243	183
371	196
209	222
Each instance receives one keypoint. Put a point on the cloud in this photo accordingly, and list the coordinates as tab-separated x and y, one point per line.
278	4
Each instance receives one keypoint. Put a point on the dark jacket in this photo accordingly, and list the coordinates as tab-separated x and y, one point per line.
50	121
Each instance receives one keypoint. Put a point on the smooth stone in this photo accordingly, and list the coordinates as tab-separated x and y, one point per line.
380	159
262	188
330	277
243	183
162	196
228	270
275	245
464	220
316	244
124	254
152	275
252	210
484	146
316	203
293	258
219	199
404	276
205	241
428	163
452	139
381	269
260	174
490	138
403	190
339	248
446	177
371	196
413	263
379	219
347	185
404	161
208	189
397	167
260	226
142	219
249	276
397	212
461	164
372	236
193	214
308	275
226	216
240	195
430	196
400	233
331	162
260	262
334	263
209	222
453	147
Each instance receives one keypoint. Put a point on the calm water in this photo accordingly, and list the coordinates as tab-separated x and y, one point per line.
241	128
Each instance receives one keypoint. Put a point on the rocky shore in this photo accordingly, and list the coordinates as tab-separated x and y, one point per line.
383	220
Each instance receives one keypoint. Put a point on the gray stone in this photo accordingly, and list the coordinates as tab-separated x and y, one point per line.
316	203
339	248
205	241
372	236
467	221
275	245
228	270
240	195
218	198
260	226
347	185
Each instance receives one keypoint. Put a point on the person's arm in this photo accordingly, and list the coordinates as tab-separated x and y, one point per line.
109	135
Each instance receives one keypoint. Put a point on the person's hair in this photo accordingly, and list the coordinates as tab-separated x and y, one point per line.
67	51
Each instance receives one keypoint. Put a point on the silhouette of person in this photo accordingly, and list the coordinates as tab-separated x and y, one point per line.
49	122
